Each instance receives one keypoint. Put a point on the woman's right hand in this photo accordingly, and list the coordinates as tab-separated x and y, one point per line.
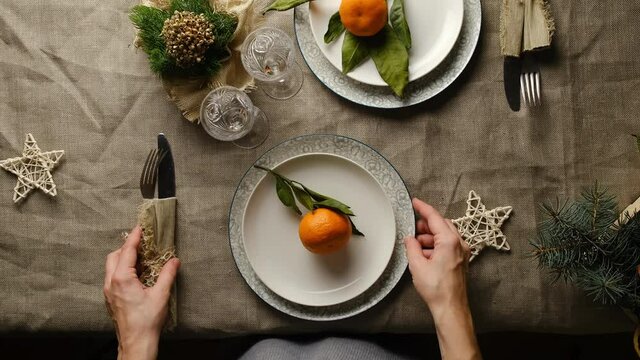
438	259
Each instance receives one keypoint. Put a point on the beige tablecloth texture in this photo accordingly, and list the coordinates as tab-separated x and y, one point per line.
71	76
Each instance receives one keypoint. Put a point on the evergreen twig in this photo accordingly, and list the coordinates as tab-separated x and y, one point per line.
581	241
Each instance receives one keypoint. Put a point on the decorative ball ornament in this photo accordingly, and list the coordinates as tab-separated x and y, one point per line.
33	169
187	37
480	227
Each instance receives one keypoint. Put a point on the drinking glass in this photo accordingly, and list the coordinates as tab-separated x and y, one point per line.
268	55
227	114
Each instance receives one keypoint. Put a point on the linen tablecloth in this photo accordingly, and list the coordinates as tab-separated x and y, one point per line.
71	76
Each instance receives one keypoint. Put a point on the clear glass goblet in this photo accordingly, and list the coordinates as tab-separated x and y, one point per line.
268	55
227	114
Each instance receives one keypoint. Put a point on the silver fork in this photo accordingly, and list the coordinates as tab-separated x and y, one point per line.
530	81
149	174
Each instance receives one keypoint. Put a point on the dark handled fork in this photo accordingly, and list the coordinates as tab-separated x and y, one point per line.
149	175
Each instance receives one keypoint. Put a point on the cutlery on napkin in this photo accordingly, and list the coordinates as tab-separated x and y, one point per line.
157	217
525	25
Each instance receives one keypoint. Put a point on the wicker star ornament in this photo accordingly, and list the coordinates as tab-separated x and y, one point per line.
480	227
33	169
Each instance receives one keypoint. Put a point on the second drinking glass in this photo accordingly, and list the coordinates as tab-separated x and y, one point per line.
268	55
227	114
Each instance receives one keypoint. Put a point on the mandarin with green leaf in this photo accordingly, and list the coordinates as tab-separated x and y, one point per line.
363	17
324	231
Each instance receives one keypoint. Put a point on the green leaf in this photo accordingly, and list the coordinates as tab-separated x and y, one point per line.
637	141
286	195
303	197
287	189
399	23
282	5
334	29
315	195
391	59
354	229
334	205
354	52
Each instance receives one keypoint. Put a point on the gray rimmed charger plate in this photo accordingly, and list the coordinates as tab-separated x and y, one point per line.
417	91
394	189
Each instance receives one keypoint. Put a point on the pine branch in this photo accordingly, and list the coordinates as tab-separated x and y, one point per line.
604	284
569	223
582	242
149	22
603	210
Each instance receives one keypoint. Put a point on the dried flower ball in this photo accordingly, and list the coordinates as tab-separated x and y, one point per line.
187	36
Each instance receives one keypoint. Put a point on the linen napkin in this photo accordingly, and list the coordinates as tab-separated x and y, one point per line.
525	25
157	217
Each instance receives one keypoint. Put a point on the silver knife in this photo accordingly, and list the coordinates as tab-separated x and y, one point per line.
512	67
166	170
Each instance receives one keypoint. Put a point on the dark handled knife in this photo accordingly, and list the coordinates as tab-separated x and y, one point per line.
166	171
512	67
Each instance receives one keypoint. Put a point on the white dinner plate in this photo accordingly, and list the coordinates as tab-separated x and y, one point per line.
273	248
434	24
377	166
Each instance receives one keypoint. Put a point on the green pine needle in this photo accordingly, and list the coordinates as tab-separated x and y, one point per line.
195	6
602	209
580	241
604	284
149	21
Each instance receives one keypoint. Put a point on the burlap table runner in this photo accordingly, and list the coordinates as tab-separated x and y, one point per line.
72	77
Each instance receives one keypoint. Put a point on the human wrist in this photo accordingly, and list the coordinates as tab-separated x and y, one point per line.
455	330
142	345
447	308
459	315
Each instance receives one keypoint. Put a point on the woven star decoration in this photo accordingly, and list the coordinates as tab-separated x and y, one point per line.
480	227
33	169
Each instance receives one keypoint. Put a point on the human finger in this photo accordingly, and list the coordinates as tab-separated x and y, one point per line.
414	252
451	226
434	220
426	240
422	227
427	253
167	277
129	251
110	267
467	250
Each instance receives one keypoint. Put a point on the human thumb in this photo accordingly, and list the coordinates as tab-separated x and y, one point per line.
414	252
167	276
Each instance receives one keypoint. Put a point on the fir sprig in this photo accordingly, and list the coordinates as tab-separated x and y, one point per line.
582	241
150	21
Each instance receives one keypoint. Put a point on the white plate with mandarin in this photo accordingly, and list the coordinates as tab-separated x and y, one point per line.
285	267
434	24
295	257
